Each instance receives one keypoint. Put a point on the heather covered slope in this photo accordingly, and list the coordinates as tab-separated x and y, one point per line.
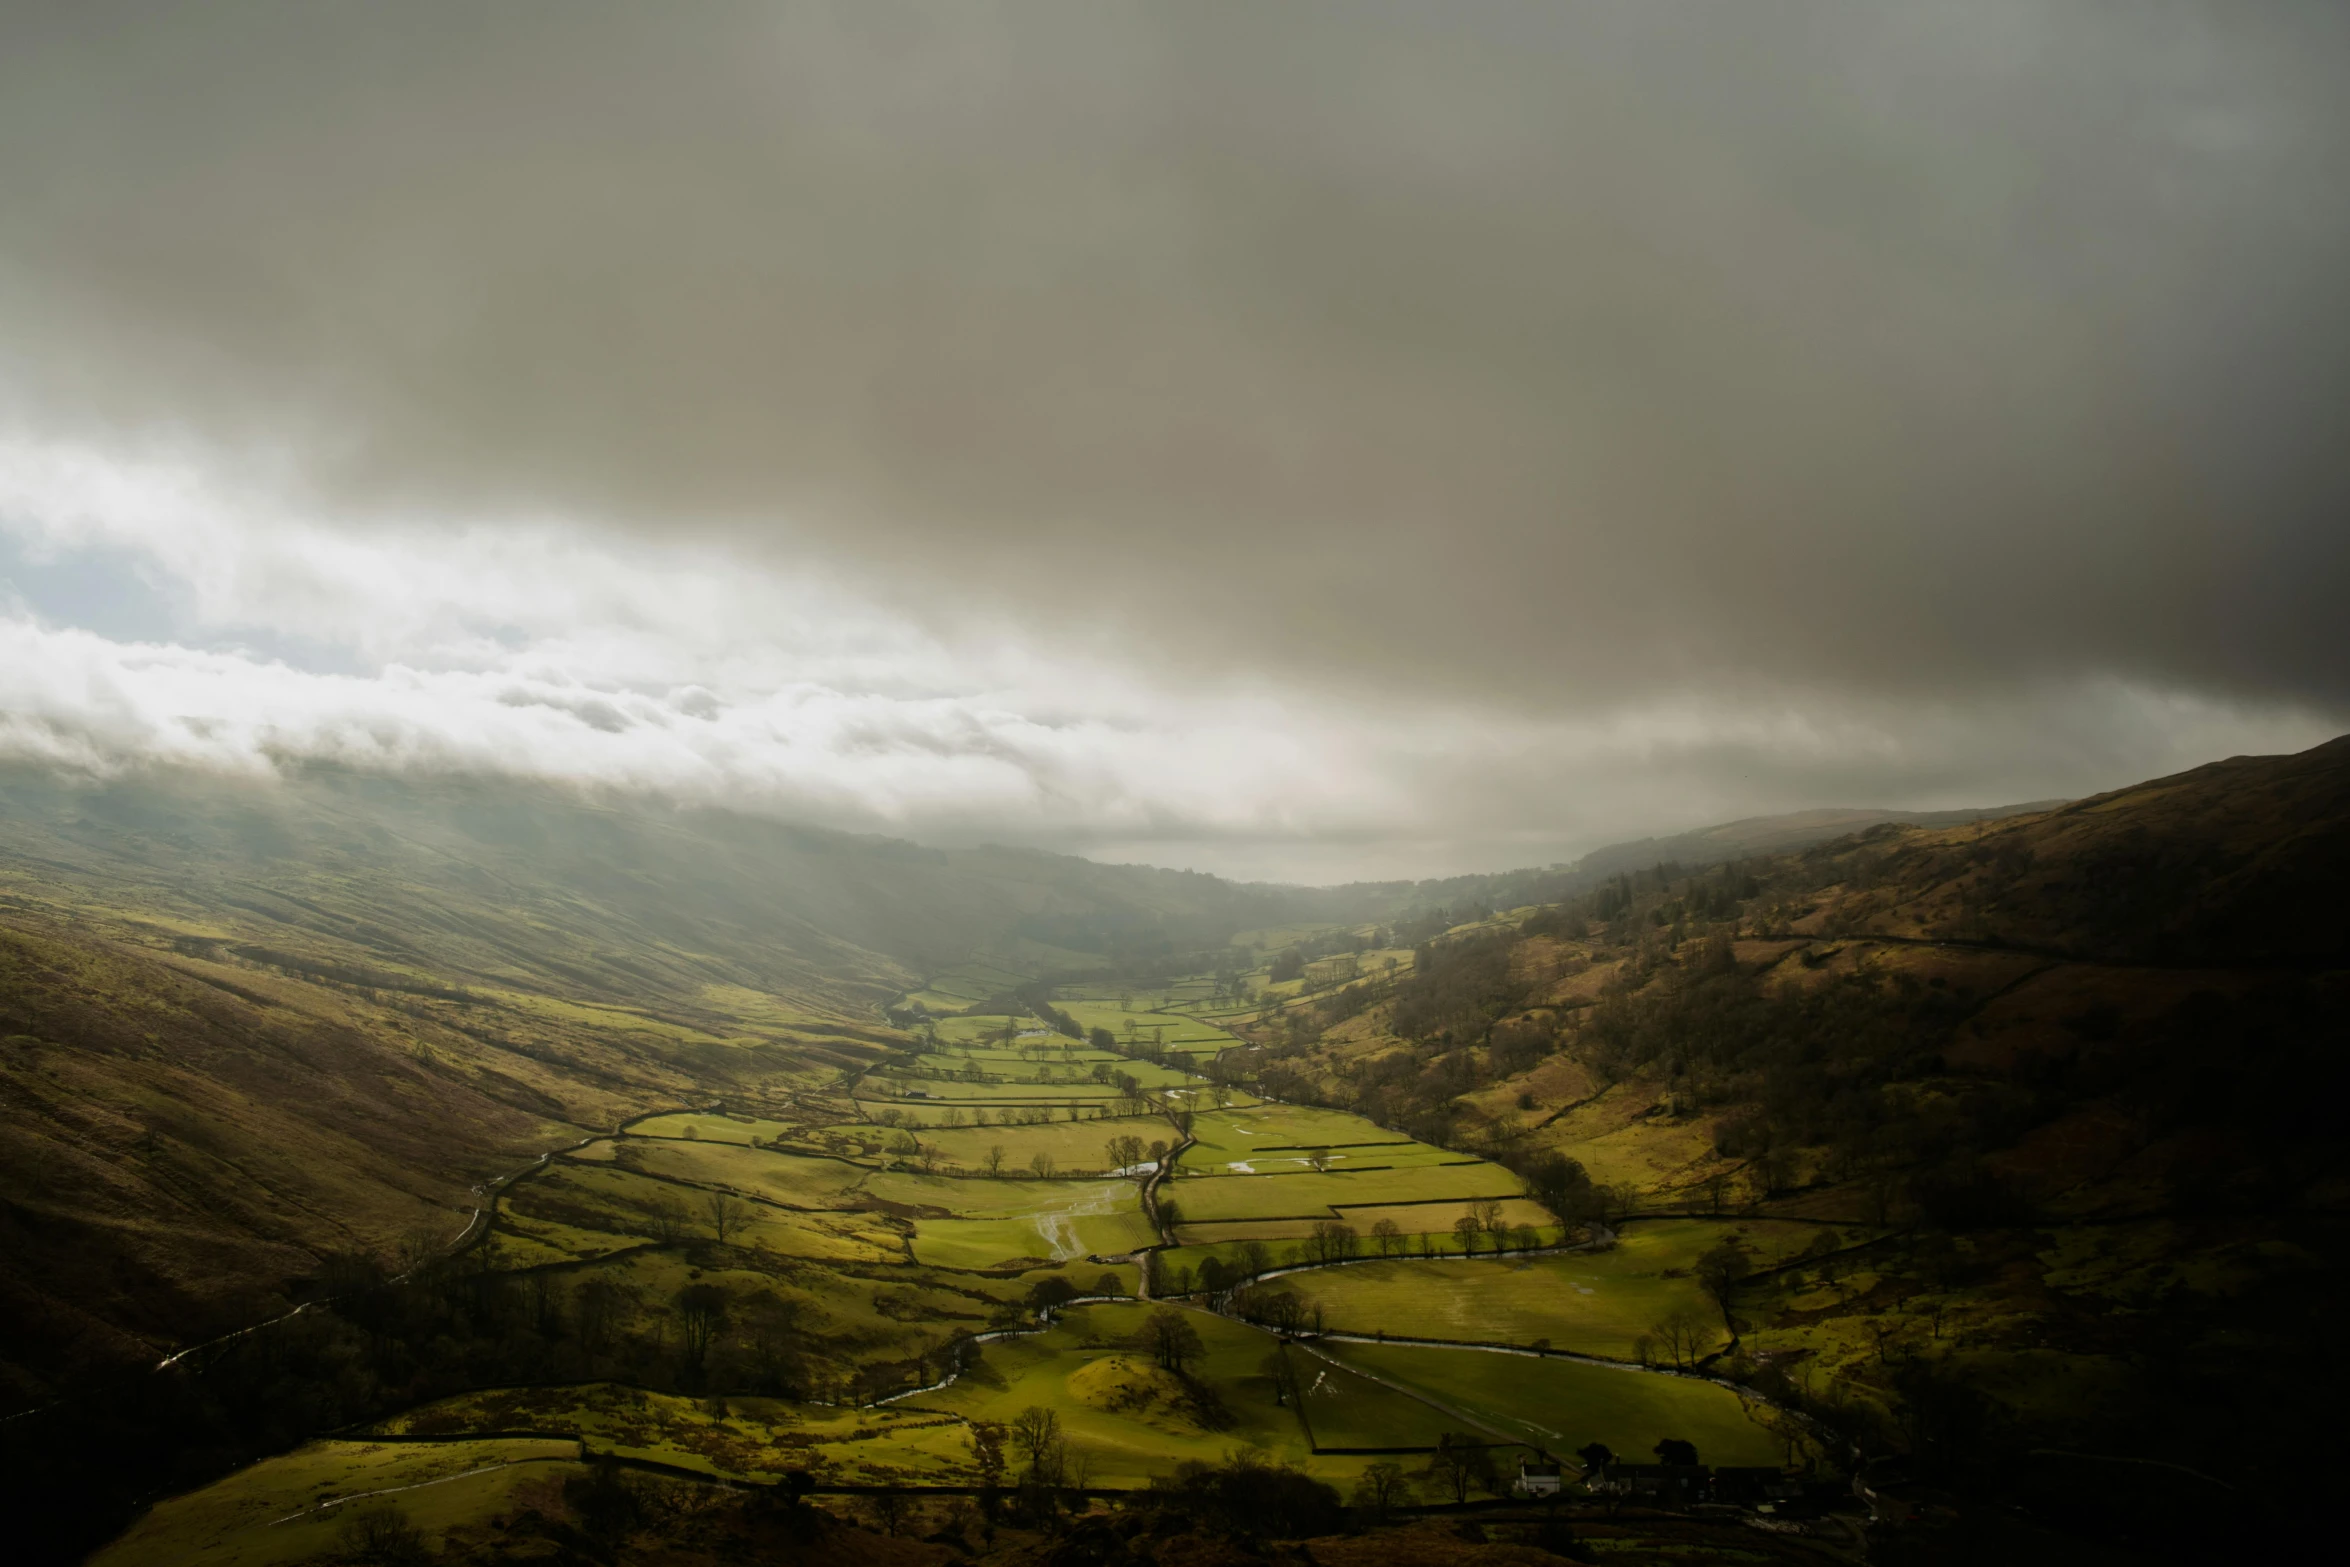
2243	862
252	1024
591	896
183	1140
2081	1069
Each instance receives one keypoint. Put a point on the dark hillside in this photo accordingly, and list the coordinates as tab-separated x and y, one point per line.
251	1025
2241	863
2073	1077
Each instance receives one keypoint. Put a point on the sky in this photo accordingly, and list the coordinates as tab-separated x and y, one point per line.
1305	442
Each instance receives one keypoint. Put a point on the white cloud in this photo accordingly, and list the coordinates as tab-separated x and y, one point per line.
548	650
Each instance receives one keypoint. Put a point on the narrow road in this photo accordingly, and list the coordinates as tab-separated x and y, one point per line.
488	1191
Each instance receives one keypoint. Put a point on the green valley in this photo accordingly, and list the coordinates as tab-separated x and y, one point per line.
1817	1164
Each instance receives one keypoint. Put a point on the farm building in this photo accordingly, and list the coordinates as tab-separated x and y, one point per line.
1538	1477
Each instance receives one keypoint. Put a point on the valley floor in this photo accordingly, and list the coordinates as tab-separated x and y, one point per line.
887	1281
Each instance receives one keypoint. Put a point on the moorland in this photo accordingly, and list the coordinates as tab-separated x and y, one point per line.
483	1173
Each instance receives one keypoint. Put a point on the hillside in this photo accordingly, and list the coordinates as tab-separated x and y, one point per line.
2083	1064
1950	1148
1700	846
1753	835
249	1026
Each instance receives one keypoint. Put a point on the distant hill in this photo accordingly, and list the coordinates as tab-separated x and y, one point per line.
2078	1071
1752	835
1698	848
247	1024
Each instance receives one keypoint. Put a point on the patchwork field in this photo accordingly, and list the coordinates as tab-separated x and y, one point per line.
1222	1136
939	1091
1596	1303
1071	1145
1127	1419
700	1126
584	1208
1207	1199
1426	1228
753	1439
1177	1032
292	1508
1069	1220
849	1245
1563	1404
1345	1411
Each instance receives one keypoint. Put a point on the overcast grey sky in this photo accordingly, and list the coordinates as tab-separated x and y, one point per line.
1303	440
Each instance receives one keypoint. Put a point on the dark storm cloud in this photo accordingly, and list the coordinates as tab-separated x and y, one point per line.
1551	352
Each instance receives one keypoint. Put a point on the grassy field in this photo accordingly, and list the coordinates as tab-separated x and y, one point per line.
589	1211
1363	1156
939	1092
704	1126
583	1208
1225	1135
1057	1237
971	982
1344	1409
286	1509
1597	1303
1177	1031
909	1262
794	1180
1072	1145
955	1069
755	1439
1563	1404
1281	1237
979	1197
1204	1199
1436	1218
1127	1419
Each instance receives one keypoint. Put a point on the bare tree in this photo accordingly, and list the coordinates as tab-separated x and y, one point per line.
1323	1244
1465	1229
1684	1334
1721	1269
701	1316
1278	1369
1383	1486
993	1160
1461	1465
665	1220
1171	1339
1283	1311
598	1304
727	1212
1035	1430
1389	1235
892	1510
1042	1163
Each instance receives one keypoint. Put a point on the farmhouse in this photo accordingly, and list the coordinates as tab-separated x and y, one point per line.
1538	1477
